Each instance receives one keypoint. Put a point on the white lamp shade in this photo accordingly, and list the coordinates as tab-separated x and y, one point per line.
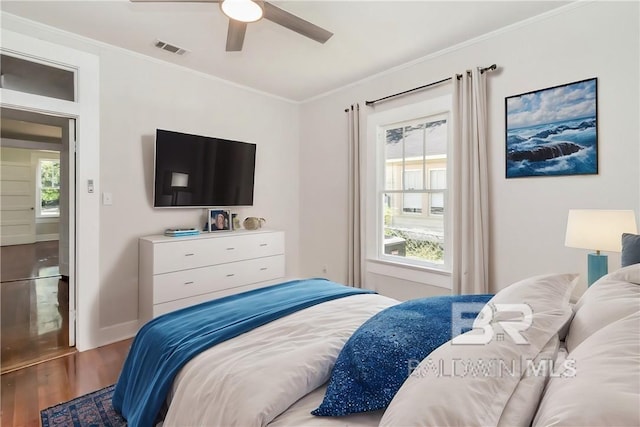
242	10
599	230
180	180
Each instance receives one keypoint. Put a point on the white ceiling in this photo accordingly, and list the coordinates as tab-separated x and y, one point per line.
369	36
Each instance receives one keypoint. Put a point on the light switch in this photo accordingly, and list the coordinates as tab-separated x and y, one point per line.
107	199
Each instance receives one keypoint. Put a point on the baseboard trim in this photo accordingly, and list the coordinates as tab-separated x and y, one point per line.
111	334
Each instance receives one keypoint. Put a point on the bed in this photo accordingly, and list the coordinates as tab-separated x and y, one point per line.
363	359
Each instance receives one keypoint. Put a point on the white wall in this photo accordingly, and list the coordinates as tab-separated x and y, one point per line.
138	95
528	215
133	105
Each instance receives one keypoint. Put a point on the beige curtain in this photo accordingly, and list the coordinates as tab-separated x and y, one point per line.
355	232
470	221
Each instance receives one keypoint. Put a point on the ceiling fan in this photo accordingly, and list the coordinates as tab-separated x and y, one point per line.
242	12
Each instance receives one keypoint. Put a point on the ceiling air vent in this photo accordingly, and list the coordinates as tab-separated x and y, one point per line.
169	47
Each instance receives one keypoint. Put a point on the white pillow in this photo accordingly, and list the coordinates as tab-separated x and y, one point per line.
630	273
541	293
603	388
435	393
523	403
443	391
607	300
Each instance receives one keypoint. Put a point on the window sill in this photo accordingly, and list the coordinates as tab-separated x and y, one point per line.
410	272
47	219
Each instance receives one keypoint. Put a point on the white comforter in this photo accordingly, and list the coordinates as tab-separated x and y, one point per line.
251	379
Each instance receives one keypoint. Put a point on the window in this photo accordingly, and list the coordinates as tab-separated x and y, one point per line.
48	193
413	197
25	75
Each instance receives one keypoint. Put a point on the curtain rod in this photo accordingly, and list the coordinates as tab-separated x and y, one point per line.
415	89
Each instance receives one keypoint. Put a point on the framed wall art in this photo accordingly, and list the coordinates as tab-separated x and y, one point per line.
553	131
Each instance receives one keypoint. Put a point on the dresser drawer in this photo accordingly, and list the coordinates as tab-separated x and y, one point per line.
166	307
198	281
187	254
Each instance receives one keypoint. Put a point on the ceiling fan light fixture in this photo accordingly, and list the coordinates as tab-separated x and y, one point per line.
242	10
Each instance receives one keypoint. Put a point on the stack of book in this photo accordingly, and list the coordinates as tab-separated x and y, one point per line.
175	232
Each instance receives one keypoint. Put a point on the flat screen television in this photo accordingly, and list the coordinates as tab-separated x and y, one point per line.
199	171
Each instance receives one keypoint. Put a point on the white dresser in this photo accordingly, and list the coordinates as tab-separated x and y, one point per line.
176	272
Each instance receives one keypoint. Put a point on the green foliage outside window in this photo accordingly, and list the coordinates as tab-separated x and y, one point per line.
418	248
50	186
50	197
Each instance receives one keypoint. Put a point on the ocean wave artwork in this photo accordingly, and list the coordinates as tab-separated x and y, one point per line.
553	131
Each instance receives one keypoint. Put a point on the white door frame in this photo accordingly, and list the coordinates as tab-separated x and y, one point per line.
85	263
67	242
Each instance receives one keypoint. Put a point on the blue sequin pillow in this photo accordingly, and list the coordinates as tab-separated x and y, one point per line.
379	356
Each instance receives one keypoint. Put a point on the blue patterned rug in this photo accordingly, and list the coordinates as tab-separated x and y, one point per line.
93	409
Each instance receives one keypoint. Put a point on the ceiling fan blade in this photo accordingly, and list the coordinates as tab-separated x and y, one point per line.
235	35
175	1
292	22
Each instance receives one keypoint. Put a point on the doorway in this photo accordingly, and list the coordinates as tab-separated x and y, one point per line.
33	92
35	183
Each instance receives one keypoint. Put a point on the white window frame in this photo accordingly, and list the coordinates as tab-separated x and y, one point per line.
436	190
38	180
421	174
377	261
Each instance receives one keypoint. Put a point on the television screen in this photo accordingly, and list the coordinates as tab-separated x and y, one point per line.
199	171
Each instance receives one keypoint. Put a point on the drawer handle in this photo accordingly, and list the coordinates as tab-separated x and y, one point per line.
230	275
189	254
231	249
188	283
263	269
264	244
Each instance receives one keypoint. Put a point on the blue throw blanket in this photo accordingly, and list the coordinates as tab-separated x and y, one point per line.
165	344
381	354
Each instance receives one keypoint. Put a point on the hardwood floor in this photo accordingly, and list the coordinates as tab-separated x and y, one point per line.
19	262
35	322
34	317
27	391
34	327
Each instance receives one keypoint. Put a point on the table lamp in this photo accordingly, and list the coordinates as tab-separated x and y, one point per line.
599	230
179	182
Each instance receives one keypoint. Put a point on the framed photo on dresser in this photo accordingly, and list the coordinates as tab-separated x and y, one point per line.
219	220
